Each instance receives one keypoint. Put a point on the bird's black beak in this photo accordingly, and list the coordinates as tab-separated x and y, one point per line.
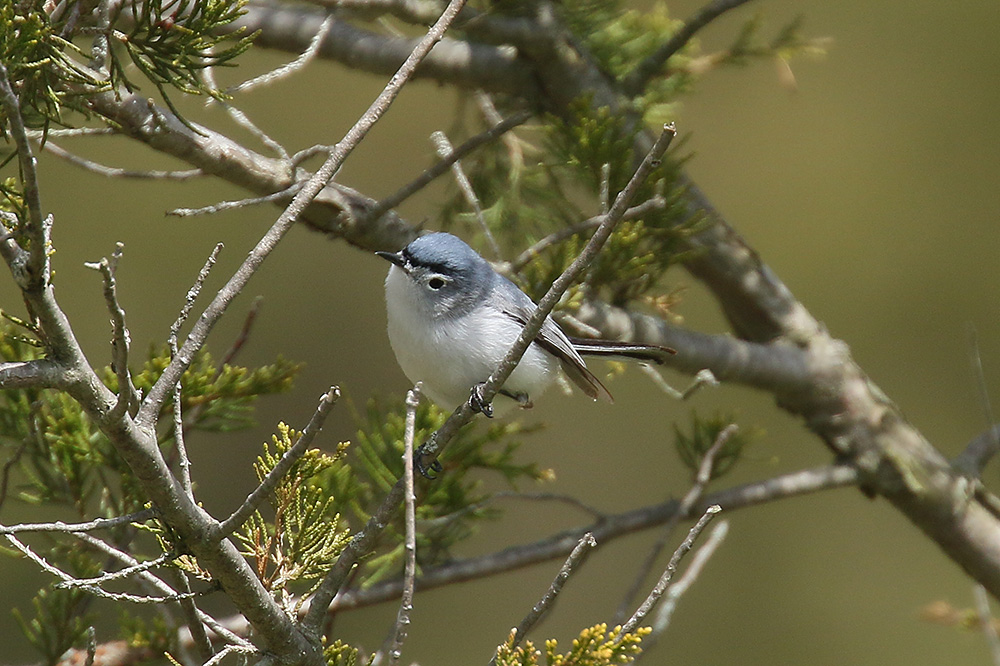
395	258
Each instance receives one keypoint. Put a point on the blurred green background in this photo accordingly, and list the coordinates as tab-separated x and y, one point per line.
872	190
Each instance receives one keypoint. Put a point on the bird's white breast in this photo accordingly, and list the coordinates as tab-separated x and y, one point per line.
450	354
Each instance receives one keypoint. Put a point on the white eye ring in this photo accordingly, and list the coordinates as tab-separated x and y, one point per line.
436	282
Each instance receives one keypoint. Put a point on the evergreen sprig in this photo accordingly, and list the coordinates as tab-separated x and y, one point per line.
41	63
171	41
595	646
56	624
302	540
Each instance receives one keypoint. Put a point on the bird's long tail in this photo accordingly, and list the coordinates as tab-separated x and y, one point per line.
617	348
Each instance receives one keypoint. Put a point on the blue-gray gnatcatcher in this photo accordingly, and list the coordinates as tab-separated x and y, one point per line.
452	319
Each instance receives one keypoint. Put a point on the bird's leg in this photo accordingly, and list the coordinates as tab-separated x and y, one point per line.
522	398
426	471
478	402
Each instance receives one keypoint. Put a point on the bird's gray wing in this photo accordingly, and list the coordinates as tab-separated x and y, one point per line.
516	305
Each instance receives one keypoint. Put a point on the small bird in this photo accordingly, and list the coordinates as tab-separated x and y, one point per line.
452	319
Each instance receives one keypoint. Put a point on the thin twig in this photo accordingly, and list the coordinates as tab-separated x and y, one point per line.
71	528
220	206
239	117
244	334
270	482
604	196
650	66
978	452
668	573
117	172
441	521
444	149
118	575
202	643
687	579
702	477
575	559
8	465
92	589
192	295
72	132
428	176
401	628
513	143
291	67
128	397
164	588
228	650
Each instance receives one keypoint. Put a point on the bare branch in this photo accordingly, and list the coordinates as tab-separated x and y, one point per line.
668	574
605	529
192	295
158	584
116	172
71	581
677	590
701	379
244	333
287	69
220	206
228	650
242	119
128	397
776	368
90	526
38	373
401	628
117	575
202	643
91	646
978	452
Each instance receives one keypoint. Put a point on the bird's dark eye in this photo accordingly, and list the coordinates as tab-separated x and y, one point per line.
435	283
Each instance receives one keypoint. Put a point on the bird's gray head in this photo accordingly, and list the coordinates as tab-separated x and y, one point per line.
440	274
